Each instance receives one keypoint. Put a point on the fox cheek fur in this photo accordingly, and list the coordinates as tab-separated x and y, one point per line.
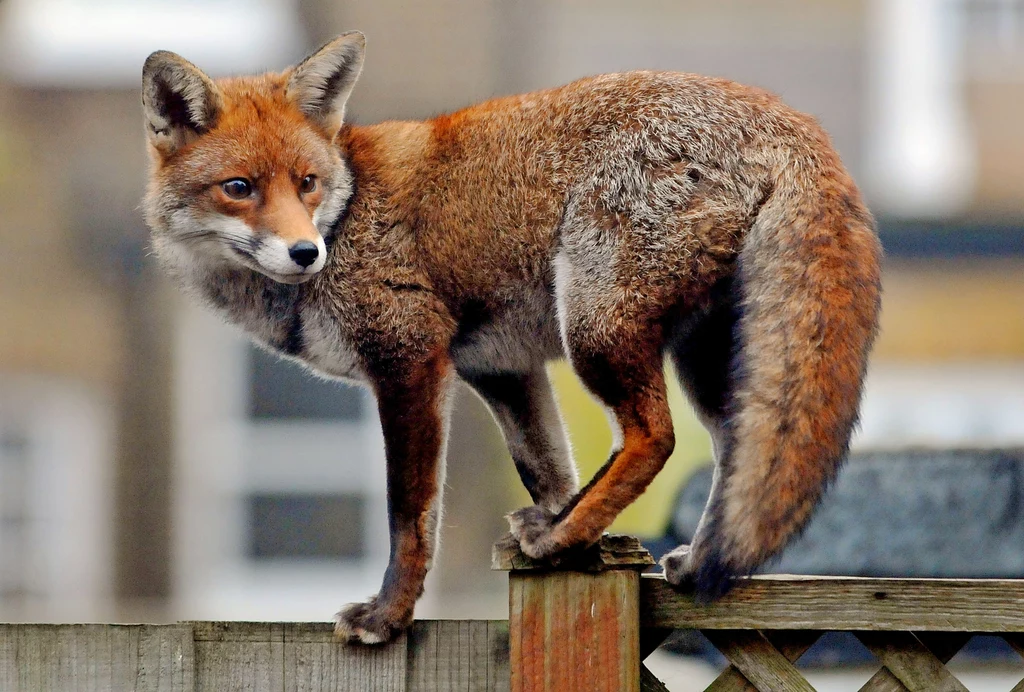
610	221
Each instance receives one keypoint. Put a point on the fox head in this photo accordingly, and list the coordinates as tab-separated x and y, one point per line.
244	170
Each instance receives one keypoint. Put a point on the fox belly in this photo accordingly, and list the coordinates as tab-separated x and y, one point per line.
515	337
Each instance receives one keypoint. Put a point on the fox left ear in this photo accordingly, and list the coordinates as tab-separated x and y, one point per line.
320	85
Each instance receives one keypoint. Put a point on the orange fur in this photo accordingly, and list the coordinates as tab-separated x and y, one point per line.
609	221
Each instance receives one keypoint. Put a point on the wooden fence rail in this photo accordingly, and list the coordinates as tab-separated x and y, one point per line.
435	655
585	627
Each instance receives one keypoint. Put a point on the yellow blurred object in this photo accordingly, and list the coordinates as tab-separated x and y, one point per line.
591	441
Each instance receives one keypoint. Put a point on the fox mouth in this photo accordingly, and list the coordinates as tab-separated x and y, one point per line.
300	278
248	259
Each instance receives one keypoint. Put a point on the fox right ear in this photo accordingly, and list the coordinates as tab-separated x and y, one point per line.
179	101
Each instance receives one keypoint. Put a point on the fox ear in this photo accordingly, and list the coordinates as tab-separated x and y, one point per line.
179	101
320	85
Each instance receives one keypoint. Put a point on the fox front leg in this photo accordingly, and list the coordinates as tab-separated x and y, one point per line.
413	416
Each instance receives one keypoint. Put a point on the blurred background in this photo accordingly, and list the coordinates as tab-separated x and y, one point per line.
153	466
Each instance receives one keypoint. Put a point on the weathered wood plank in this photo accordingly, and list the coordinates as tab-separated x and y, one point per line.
8	657
791	643
239	656
295	657
944	645
613	551
315	662
842	603
910	662
458	655
166	659
96	658
574	631
760	662
498	678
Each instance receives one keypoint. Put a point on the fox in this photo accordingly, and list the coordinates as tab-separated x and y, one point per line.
617	222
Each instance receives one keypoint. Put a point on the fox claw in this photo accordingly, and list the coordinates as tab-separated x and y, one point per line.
367	623
534	528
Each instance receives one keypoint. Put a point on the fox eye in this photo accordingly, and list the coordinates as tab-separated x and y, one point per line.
237	188
308	184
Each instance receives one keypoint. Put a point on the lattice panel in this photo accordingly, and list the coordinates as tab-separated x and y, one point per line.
764	661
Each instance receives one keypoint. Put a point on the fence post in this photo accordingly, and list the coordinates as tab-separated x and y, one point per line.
575	627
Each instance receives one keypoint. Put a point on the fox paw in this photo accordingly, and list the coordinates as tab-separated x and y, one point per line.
678	567
367	623
534	527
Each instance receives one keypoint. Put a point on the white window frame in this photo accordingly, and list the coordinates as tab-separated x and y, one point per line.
222	455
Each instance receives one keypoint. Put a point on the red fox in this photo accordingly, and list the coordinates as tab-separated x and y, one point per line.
611	221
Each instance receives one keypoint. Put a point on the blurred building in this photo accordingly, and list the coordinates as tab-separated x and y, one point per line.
153	465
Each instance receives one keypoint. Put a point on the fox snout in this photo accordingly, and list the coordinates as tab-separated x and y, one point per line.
293	261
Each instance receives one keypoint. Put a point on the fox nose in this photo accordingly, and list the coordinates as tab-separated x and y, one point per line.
304	253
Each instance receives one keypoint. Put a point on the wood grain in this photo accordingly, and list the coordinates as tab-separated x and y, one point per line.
96	658
759	662
568	631
239	656
613	551
574	631
944	646
463	656
791	644
458	655
842	603
314	662
910	662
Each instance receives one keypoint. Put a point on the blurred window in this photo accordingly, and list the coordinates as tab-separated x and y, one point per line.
103	43
306	525
279	389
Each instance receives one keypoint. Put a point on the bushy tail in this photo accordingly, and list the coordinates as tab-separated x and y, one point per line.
809	304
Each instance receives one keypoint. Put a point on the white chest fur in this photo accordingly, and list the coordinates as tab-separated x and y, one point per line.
327	349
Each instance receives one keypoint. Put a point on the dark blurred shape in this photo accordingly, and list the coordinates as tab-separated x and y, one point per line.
914	513
282	389
306	525
951	239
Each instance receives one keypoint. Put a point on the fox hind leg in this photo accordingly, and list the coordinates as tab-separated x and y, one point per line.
703	355
623	369
524	406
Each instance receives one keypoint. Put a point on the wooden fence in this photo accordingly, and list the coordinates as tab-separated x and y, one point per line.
582	629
